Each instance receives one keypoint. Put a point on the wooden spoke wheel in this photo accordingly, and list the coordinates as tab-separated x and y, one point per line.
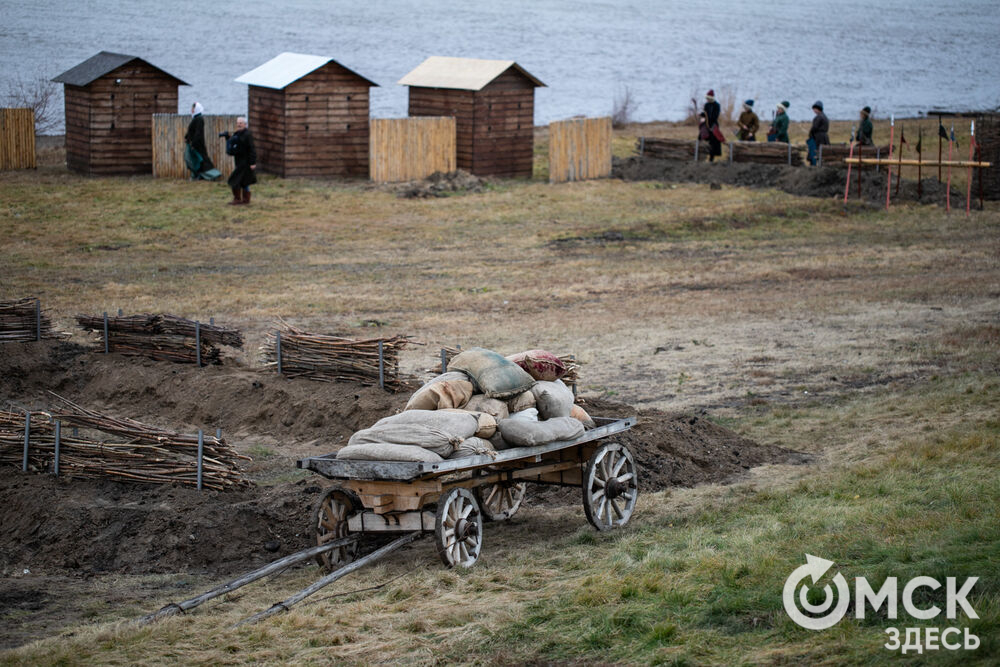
500	501
458	530
330	523
610	486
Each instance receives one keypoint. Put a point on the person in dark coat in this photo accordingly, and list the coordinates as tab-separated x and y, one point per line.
240	146
779	126
712	111
865	128
195	138
819	133
748	123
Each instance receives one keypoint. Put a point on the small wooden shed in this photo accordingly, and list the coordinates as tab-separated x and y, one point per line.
110	102
493	102
308	116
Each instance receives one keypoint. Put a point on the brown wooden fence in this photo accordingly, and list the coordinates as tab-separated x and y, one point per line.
17	139
579	149
168	144
407	149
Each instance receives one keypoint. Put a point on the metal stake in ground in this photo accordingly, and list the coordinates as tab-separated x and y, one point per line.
58	442
197	344
947	196
277	344
106	345
27	434
444	361
381	367
332	577
847	184
201	454
38	319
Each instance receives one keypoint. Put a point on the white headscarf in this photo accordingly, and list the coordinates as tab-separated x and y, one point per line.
197	109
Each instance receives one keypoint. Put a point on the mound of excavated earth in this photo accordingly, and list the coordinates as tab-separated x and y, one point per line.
55	525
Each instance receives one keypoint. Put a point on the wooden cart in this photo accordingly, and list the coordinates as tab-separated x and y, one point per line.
452	498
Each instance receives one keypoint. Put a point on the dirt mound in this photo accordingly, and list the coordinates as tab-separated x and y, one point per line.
88	527
51	524
823	182
440	184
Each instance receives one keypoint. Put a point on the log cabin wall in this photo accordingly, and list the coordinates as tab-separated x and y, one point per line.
109	121
494	126
503	138
326	120
266	120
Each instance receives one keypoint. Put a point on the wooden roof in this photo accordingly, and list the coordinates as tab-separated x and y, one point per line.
105	62
287	68
461	73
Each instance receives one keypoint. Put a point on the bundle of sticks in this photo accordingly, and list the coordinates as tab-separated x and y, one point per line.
138	452
764	152
333	358
162	337
835	153
20	321
669	149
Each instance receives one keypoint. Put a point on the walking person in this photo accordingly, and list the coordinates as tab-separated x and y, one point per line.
712	111
240	146
779	126
748	123
865	128
819	133
196	153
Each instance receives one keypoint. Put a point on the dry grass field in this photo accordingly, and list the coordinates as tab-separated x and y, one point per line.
868	339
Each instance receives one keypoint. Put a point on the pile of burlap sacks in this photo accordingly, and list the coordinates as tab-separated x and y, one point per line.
484	403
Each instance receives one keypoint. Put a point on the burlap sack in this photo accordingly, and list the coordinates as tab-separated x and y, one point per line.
579	413
553	399
448	390
540	364
493	374
520	402
487	422
437	430
523	433
381	451
493	406
473	447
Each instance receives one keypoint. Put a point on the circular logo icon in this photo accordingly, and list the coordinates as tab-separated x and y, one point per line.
820	616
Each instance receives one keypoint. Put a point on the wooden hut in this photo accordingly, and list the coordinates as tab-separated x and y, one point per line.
309	116
110	102
493	102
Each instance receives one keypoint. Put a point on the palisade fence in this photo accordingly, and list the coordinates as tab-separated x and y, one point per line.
409	149
168	144
579	148
17	139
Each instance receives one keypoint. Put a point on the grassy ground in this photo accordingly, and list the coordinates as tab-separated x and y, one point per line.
870	340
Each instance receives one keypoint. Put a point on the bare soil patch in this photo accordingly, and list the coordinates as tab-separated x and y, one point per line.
822	182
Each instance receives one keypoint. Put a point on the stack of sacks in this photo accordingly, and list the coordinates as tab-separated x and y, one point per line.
484	403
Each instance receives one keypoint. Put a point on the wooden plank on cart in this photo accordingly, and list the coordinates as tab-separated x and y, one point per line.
333	468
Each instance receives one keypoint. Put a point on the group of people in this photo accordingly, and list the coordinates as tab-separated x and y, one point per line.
748	124
239	144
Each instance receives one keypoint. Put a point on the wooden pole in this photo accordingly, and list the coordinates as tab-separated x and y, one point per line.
914	163
920	157
939	148
847	183
947	198
899	169
888	175
330	578
181	607
972	145
860	148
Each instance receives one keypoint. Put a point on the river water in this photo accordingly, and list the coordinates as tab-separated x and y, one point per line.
898	56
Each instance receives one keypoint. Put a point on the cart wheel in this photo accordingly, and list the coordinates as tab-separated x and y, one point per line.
330	522
500	501
458	528
610	487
